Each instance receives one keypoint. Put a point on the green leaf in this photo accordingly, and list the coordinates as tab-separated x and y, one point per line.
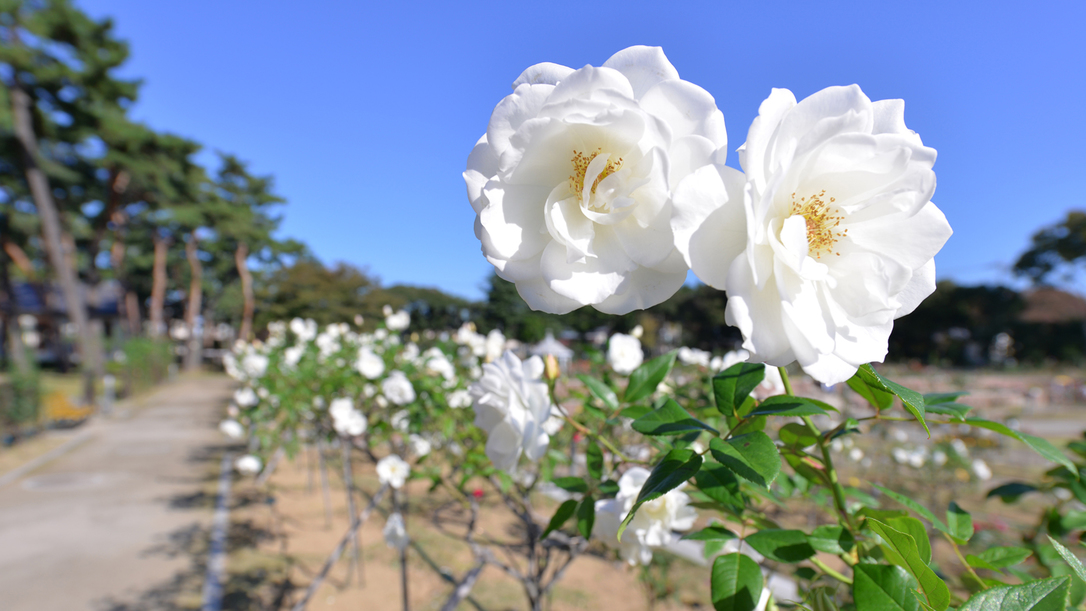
720	484
1040	595
753	457
1001	556
635	411
915	529
936	398
832	539
712	532
878	398
783	405
1009	493
563	513
880	587
924	512
669	419
571	484
956	410
797	435
1037	444
781	545
823	599
594	460
674	468
609	488
586	516
959	524
1068	557
935	590
601	391
645	379
736	583
912	400
732	386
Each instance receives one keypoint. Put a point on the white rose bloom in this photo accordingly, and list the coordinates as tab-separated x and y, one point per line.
653	524
398	321
841	231
369	390
397	388
459	399
232	429
401	420
386	310
572	182
292	355
248	465
369	364
981	469
230	365
327	344
720	363
624	353
440	365
410	352
554	422
246	397
495	345
396	533
694	356
511	404
346	420
306	330
419	444
392	470
254	365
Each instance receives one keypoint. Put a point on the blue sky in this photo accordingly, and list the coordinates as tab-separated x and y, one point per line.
365	111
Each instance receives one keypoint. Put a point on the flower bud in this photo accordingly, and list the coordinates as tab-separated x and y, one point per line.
551	371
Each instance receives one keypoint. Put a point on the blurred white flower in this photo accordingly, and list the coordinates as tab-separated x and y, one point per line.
395	532
305	330
572	181
401	420
292	355
554	422
369	364
439	364
694	356
419	444
369	390
254	365
624	353
459	399
841	232
637	331
392	470
245	397
511	404
410	352
981	470
398	321
397	388
653	524
959	447
248	465
939	458
720	363
232	429
495	345
855	454
346	420
901	455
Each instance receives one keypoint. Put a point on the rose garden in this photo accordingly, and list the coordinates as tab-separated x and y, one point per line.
781	456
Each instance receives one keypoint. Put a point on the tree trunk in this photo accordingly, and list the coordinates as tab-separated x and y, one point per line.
158	288
192	311
16	352
132	311
50	221
240	256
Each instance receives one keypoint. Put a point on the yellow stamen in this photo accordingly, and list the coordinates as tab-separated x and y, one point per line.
822	223
580	167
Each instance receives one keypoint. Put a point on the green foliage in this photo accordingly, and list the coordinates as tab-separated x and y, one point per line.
674	469
669	419
20	397
1041	595
878	587
645	379
903	547
736	583
146	362
788	546
752	456
732	386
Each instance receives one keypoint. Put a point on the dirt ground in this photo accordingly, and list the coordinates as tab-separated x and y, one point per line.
299	541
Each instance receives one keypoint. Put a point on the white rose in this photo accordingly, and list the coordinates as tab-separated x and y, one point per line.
694	356
653	524
495	345
254	365
395	532
398	321
572	182
981	470
346	420
440	365
248	465
511	404
554	422
397	388
369	364
392	470
459	399
419	444
232	429
305	330
841	232
246	397
401	420
624	353
292	355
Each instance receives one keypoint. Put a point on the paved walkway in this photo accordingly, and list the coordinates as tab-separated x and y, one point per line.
113	523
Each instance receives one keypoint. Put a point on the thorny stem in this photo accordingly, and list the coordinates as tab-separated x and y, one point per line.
831	472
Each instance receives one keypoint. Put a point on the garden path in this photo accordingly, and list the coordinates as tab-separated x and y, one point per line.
112	524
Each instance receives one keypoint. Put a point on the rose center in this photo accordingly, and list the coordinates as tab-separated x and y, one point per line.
822	222
581	165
